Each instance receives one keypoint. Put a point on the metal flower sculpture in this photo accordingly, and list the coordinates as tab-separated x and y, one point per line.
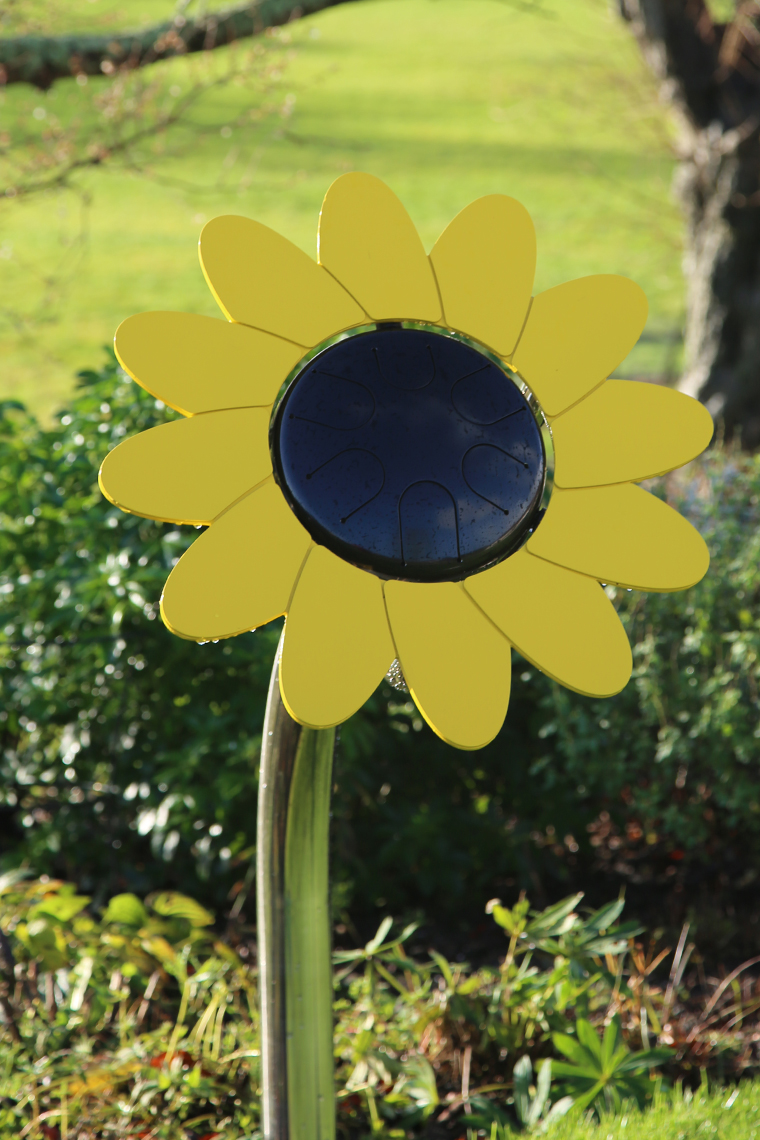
393	505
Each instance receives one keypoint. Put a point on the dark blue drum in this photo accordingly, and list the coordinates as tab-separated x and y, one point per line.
410	454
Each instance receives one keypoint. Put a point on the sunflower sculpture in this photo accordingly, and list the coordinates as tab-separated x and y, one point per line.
366	442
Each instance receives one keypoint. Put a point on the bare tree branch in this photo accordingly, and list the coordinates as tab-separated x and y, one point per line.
97	154
41	60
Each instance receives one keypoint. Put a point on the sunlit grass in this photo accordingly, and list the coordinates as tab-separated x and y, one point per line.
677	1114
444	99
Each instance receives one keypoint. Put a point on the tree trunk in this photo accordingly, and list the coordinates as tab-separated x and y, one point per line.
710	75
719	190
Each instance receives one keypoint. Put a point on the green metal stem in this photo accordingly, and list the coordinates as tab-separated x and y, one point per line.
295	975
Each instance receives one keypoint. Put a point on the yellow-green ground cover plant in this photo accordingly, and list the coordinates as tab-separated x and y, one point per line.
139	1019
128	758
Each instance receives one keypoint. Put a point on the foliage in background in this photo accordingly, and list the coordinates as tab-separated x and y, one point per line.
128	757
119	747
671	765
142	1020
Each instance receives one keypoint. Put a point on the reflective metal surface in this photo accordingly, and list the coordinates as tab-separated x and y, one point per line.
295	978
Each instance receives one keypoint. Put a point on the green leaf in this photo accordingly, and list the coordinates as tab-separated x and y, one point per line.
420	1082
376	942
471	985
588	1098
347	955
587	1072
646	1059
627	930
605	945
160	949
126	909
61	907
552	920
171	904
505	918
486	1114
611	1043
403	964
604	918
540	1100
588	1037
407	932
559	1109
572	1048
522	1076
443	966
513	921
41	942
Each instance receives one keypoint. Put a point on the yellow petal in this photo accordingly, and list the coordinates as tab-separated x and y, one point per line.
189	471
576	334
560	621
338	646
621	535
369	243
199	364
626	431
456	663
259	278
240	573
485	260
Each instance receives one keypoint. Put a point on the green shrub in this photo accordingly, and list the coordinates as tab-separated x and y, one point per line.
670	766
128	757
123	749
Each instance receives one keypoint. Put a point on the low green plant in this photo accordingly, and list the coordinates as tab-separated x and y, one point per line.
534	1002
141	1018
560	965
605	1071
532	1105
533	1108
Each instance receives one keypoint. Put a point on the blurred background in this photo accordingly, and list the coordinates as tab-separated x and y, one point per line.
107	180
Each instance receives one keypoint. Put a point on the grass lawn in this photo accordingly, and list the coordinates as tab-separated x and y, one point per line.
444	99
724	1114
